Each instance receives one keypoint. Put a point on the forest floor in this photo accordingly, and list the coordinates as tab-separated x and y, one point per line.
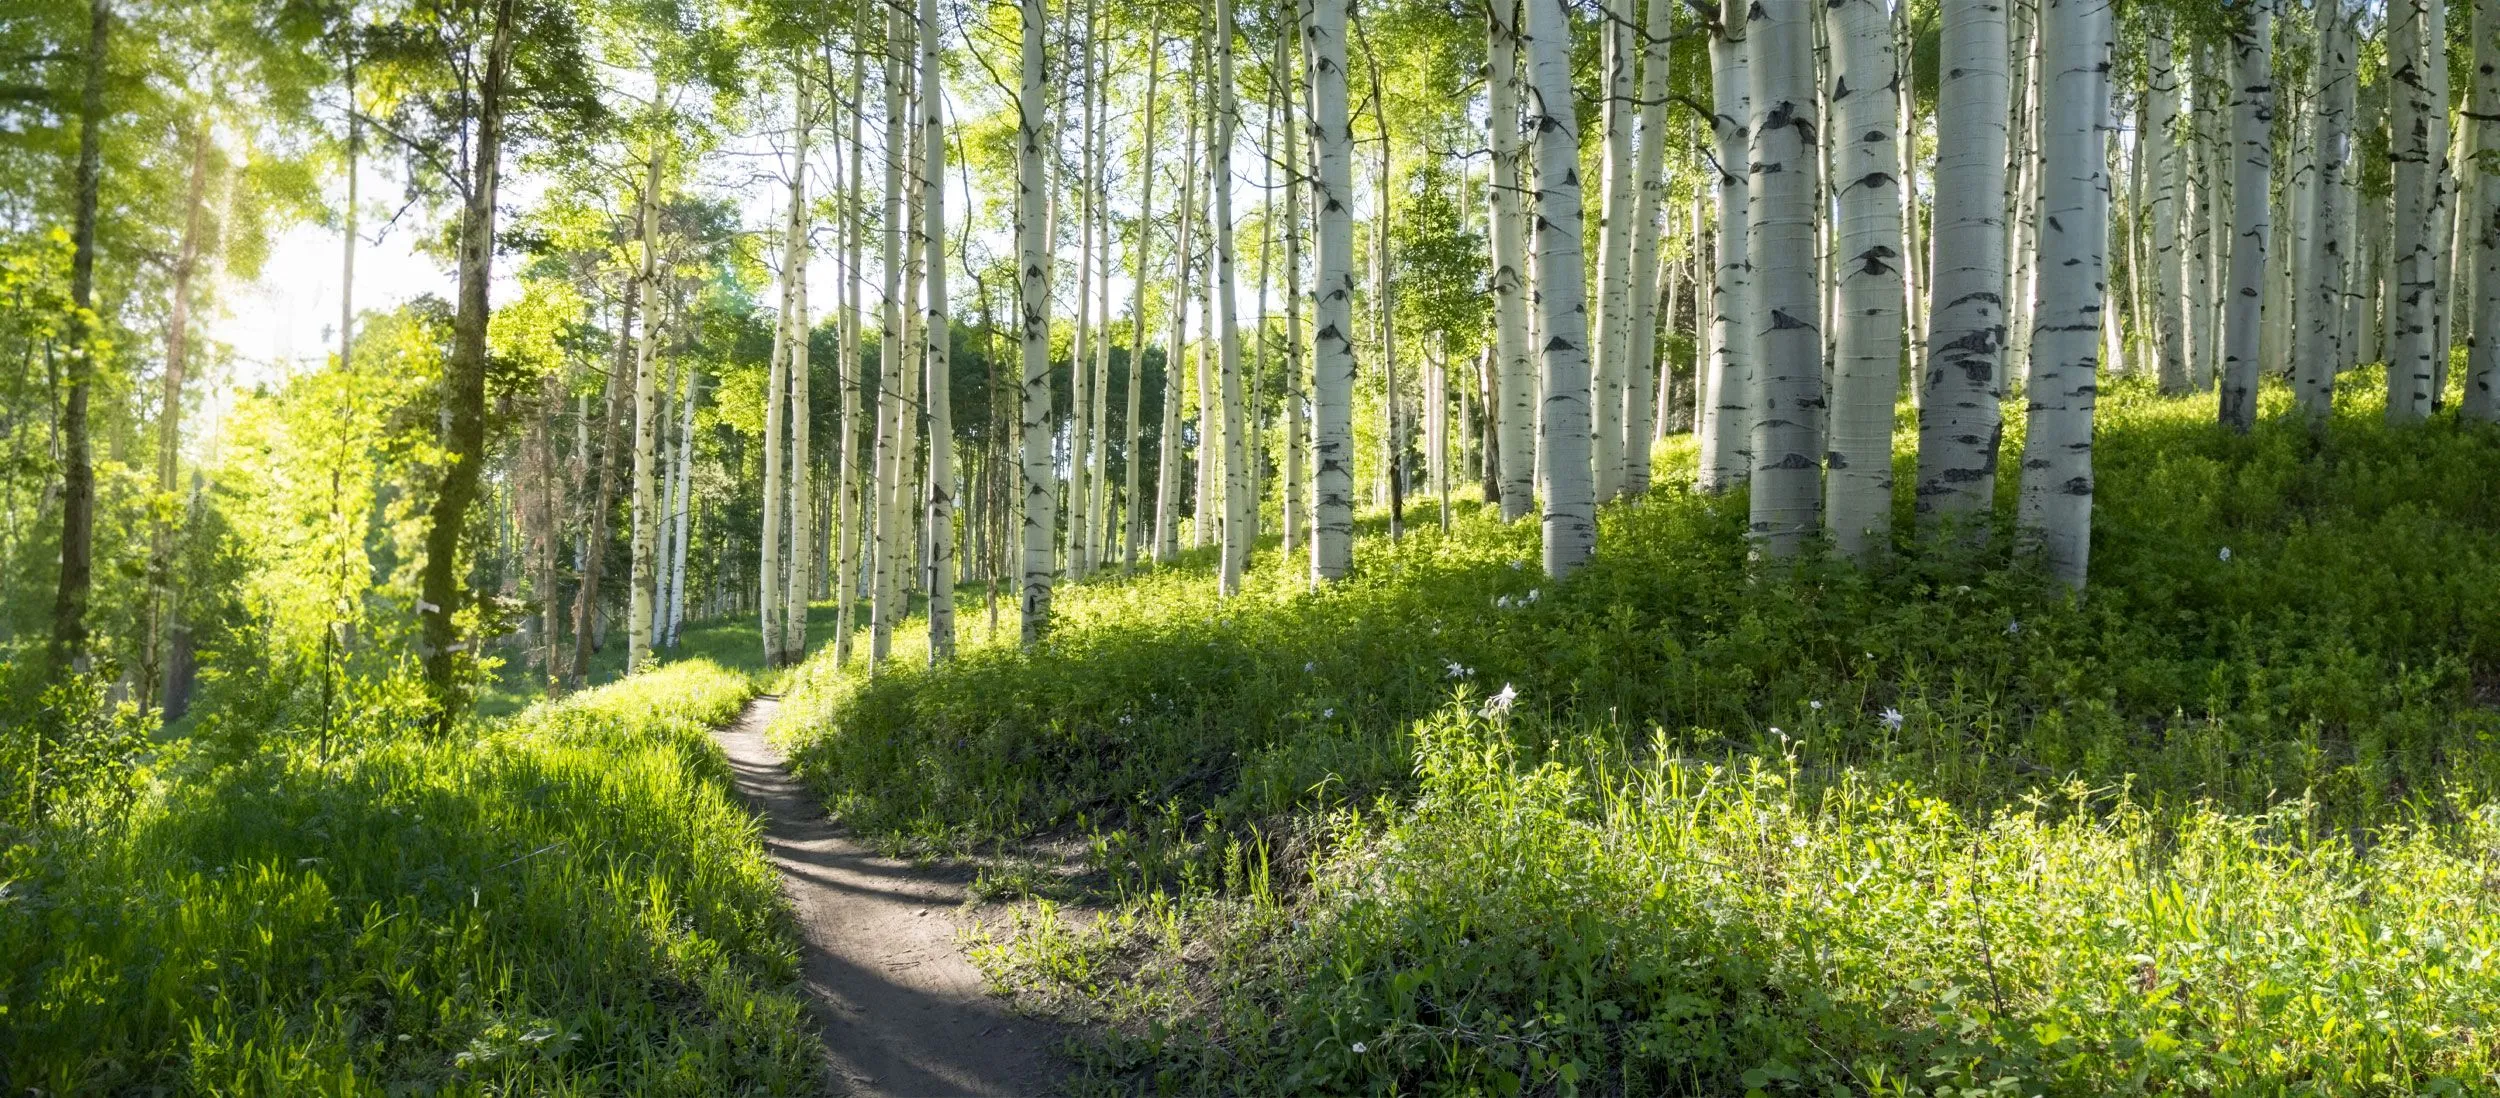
901	1009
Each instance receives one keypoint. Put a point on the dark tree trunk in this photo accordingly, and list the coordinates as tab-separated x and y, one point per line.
440	587
69	607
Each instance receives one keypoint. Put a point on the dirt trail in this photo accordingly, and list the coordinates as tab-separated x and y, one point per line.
902	1011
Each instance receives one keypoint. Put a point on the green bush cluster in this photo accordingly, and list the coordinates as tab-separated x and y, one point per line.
2277	696
570	902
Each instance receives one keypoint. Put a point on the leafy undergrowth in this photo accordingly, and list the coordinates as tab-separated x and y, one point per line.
568	903
1931	826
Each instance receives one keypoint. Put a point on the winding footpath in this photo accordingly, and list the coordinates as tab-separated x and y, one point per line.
902	1011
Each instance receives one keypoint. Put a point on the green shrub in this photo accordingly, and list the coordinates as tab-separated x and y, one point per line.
569	903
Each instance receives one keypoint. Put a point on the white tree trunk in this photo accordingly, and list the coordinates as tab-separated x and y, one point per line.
2252	114
885	607
1787	309
1649	182
1868	311
1332	367
775	492
2415	153
1515	415
1167	467
1561	293
937	330
1132	456
850	517
1033	308
2169	178
2319	352
2055	518
645	541
1612	339
798	513
1294	500
1080	362
1728	408
2482	360
673	610
1236	485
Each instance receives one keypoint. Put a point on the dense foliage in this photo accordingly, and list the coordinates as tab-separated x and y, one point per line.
2222	823
567	903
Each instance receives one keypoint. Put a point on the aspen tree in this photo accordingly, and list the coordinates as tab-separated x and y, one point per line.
1561	293
2319	349
769	608
851	510
1080	366
892	345
1612	339
1787	310
2412	321
1727	422
1649	184
2482	362
2163	152
1236	484
1033	307
1134	456
937	330
1959	411
1294	499
1867	266
1514	391
1098	501
2055	517
2252	112
1332	193
1167	467
799	512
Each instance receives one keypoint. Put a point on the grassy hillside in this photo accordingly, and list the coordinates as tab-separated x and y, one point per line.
570	903
2222	825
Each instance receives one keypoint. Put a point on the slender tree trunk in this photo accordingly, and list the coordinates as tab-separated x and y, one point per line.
1867	370
1515	419
1727	427
644	543
440	585
1561	293
1959	409
1080	362
2482	364
1294	501
851	505
2252	110
940	358
1332	388
2413	323
1131	454
1649	183
681	513
1612	339
1033	305
1098	501
1787	480
2055	518
158	639
1236	485
599	503
2169	330
885	606
800	510
1168	441
2320	347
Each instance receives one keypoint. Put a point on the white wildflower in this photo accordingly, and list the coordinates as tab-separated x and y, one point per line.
2226	552
1460	671
1331	711
1311	667
1815	705
1359	1049
2013	627
1499	704
1892	718
1532	594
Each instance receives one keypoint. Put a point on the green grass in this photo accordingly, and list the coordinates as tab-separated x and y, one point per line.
2221	826
569	903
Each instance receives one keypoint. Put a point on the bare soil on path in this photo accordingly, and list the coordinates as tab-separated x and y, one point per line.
902	1011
